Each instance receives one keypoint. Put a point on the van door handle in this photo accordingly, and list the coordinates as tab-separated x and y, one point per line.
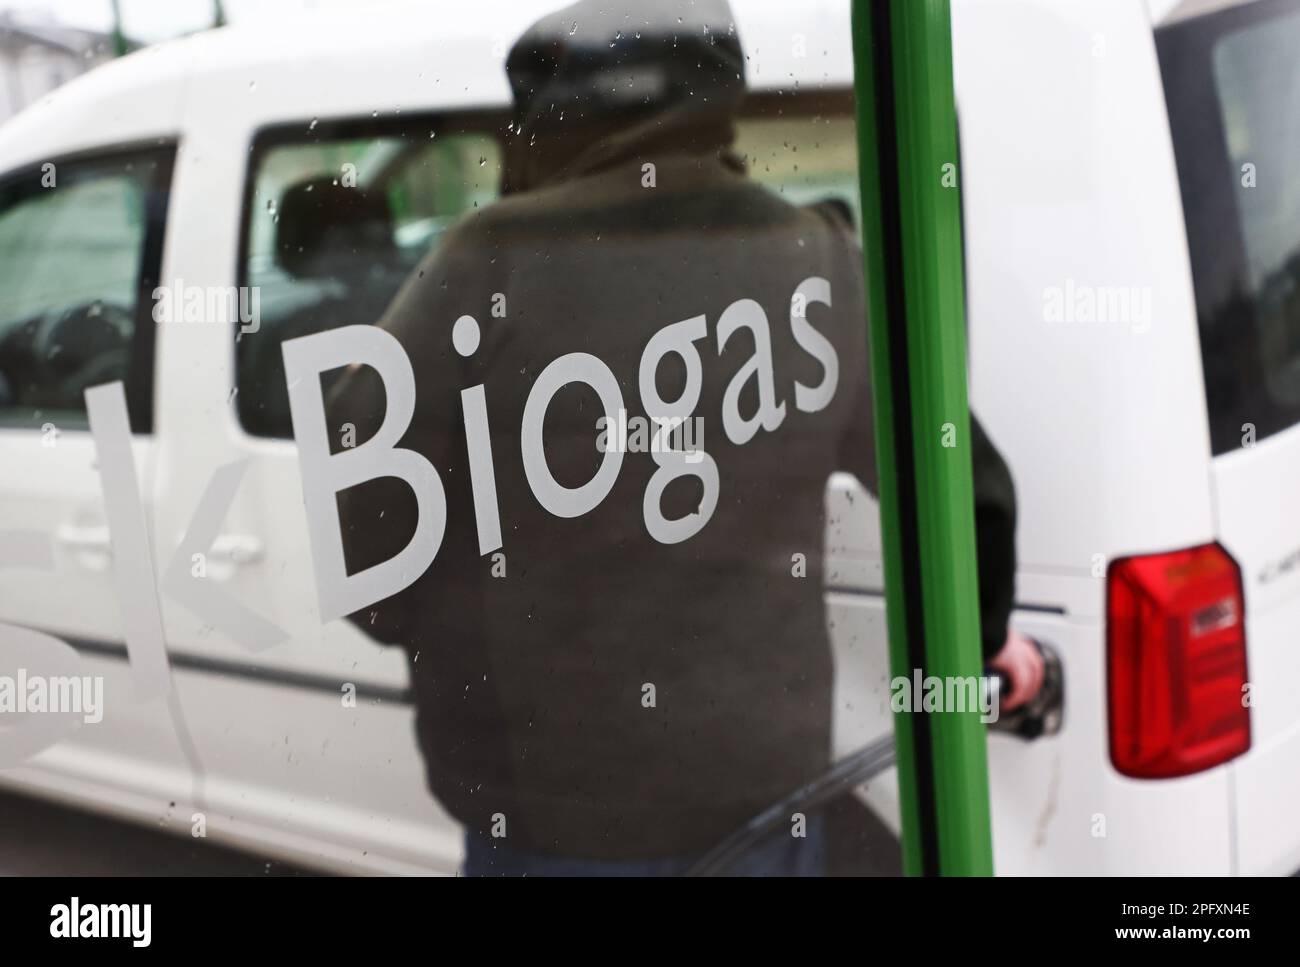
79	537
227	554
236	549
90	544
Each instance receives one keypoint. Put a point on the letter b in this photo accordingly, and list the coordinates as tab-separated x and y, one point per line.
324	475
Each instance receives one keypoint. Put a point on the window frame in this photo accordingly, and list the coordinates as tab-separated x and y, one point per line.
1216	243
490	121
22	183
493	121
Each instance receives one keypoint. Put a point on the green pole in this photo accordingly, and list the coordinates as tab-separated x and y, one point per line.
907	139
119	38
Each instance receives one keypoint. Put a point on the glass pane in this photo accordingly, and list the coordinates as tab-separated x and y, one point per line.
1229	78
1258	79
72	239
511	493
336	224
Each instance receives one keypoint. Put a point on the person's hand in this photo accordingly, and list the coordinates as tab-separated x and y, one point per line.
1022	662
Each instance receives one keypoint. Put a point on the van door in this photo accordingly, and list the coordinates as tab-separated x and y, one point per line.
304	727
1232	82
81	244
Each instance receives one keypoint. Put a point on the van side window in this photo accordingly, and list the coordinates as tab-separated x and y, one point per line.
80	248
770	132
1231	81
337	215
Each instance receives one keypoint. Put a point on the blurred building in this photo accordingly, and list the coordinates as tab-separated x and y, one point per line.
37	57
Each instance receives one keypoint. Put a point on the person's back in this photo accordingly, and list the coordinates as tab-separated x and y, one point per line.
726	624
646	669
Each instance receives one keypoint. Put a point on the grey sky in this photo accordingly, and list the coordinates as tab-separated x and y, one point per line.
157	19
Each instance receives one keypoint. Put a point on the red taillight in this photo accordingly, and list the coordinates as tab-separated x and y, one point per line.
1176	650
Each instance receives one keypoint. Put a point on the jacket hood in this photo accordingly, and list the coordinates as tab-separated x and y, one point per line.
602	81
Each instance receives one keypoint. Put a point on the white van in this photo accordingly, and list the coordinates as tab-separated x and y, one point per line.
1131	205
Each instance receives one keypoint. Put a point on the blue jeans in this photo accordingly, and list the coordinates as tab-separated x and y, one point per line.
778	854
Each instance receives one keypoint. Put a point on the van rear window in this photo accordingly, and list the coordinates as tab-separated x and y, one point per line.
1232	85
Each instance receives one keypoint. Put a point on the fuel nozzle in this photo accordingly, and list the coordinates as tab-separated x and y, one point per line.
1042	714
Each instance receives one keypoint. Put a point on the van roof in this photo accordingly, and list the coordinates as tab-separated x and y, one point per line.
355	61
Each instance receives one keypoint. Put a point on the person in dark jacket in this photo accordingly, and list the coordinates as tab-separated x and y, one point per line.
617	689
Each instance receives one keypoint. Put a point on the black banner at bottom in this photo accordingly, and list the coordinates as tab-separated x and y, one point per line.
303	917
